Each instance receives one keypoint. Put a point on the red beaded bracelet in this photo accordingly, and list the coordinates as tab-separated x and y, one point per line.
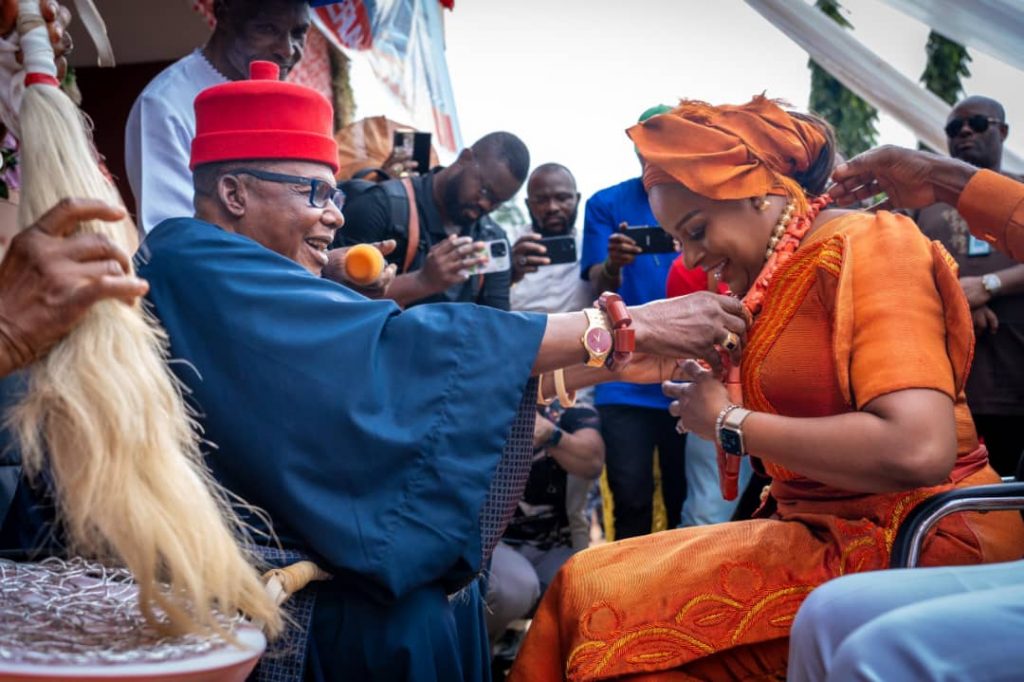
623	335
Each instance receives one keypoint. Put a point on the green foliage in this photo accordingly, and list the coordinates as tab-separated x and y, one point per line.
852	117
947	64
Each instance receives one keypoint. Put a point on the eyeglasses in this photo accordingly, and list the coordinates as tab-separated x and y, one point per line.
485	192
320	191
978	124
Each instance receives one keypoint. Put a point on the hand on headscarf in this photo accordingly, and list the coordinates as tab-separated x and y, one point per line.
697	400
910	179
49	280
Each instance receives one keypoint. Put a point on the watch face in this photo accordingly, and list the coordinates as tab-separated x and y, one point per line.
599	341
730	441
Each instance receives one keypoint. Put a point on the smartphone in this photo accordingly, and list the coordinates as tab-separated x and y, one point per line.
414	145
560	249
498	260
651	238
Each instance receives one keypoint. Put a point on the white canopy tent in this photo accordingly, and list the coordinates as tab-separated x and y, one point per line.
867	74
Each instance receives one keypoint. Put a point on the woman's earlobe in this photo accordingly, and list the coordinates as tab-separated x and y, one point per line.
761	204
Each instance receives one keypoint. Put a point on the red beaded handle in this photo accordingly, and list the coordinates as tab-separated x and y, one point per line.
623	334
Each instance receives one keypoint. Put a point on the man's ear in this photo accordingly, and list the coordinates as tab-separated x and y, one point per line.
232	195
1004	130
465	156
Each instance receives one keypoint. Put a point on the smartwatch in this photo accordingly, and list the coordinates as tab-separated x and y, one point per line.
730	432
555	438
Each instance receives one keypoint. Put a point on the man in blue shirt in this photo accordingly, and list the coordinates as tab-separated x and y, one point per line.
634	417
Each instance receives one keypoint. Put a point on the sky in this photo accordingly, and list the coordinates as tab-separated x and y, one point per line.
568	76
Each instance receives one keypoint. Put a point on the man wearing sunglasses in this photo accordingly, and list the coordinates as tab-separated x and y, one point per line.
994	285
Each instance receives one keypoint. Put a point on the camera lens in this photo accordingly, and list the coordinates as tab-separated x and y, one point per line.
498	249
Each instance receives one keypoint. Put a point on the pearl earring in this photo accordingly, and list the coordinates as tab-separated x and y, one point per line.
764	205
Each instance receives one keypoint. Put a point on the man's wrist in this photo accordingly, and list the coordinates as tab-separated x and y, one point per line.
13	356
949	179
612	272
991	283
640	327
425	284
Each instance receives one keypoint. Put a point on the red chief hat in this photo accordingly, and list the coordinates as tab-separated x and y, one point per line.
263	118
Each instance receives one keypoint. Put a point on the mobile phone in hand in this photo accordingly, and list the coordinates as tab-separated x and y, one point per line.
498	259
560	249
651	238
414	145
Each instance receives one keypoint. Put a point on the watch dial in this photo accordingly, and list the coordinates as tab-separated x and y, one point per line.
730	441
599	340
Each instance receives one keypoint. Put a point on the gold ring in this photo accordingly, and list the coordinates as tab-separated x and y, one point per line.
731	342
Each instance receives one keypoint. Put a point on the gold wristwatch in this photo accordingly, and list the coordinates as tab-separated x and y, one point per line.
597	340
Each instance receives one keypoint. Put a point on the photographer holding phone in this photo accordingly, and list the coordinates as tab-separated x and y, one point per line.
545	266
448	249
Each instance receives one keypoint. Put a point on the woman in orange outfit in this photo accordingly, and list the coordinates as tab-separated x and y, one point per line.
852	382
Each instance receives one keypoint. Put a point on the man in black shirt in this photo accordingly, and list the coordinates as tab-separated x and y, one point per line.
442	241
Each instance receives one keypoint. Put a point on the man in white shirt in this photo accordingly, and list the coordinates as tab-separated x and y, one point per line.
540	286
162	123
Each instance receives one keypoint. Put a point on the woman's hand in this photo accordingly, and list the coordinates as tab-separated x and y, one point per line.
690	326
698	401
649	369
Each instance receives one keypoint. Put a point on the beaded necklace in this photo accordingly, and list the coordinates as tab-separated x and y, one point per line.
785	239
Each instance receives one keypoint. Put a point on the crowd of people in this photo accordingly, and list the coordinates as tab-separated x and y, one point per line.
565	441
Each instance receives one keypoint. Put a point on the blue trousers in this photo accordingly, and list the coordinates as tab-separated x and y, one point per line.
704	504
948	623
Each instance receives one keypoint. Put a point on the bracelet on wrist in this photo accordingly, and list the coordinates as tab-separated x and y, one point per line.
623	334
609	274
564	399
541	400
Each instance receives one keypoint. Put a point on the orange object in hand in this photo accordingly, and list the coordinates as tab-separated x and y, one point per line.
363	264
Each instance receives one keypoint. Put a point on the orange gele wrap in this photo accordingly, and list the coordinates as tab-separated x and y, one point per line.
363	263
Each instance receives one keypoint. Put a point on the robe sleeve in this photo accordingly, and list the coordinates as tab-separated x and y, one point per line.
369	434
993	206
901	320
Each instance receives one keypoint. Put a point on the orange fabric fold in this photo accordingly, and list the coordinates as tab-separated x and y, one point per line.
729	151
